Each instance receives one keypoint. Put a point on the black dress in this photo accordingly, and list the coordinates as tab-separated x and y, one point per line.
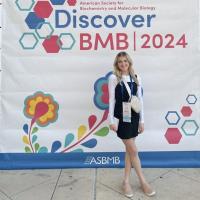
126	130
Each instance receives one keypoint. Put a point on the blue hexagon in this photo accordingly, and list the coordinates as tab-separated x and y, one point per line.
25	5
191	99
28	41
190	127
172	117
68	43
32	20
57	2
45	30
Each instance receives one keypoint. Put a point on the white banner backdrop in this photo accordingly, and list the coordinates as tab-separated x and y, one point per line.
56	59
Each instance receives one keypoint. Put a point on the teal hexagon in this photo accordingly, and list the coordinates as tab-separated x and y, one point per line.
27	37
190	127
69	37
40	28
25	7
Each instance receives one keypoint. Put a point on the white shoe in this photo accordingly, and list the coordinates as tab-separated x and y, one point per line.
151	193
128	193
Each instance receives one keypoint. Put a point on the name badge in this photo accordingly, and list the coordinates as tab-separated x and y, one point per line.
126	112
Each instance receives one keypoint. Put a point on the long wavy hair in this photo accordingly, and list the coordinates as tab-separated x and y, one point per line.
118	73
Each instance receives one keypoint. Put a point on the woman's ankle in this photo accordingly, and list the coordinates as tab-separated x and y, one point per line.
126	182
143	182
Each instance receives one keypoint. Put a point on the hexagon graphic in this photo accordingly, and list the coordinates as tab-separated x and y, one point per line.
71	2
191	99
186	111
173	135
172	117
51	44
32	20
25	5
28	41
43	9
45	31
57	2
190	127
67	40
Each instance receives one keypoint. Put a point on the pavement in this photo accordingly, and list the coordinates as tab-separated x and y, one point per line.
97	184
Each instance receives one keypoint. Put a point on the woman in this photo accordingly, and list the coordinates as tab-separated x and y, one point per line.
129	123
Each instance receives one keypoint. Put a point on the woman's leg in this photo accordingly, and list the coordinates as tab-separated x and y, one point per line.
128	166
133	154
127	172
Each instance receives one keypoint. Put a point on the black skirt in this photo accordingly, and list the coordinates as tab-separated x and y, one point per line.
127	130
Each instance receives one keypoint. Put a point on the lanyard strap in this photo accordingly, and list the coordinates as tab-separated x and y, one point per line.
122	88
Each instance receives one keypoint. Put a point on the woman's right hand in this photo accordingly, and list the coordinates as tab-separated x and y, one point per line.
113	127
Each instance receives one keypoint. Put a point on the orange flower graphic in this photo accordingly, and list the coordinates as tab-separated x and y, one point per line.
41	108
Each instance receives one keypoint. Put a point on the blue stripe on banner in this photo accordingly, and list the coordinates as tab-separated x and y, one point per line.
169	159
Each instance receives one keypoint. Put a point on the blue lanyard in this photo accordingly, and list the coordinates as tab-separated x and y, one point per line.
122	88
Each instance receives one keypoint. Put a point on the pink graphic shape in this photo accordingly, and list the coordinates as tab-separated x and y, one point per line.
173	135
43	9
71	2
40	109
105	96
51	44
91	121
186	111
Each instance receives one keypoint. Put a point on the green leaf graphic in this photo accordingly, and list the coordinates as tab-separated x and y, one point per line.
27	150
35	129
37	146
102	132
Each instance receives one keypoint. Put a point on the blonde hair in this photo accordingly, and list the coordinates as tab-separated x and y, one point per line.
118	73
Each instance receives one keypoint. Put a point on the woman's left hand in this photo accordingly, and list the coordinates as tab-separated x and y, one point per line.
141	127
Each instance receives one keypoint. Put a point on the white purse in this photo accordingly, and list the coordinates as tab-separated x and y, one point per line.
135	101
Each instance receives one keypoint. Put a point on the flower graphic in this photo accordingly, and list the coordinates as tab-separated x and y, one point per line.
101	96
41	108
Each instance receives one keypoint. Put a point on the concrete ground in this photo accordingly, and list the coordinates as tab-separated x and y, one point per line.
96	184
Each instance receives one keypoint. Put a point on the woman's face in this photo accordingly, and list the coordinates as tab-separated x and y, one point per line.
123	64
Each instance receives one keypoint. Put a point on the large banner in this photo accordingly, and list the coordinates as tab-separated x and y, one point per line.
57	56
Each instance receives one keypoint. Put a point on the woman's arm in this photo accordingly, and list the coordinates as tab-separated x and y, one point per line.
112	82
140	96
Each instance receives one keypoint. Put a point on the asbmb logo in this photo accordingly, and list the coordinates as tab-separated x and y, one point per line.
102	160
37	20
